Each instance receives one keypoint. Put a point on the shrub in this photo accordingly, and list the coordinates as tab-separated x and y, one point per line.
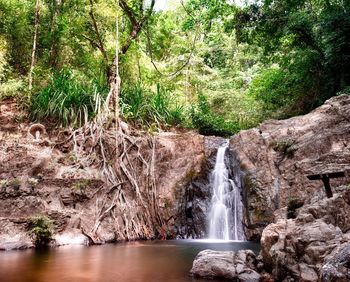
293	204
80	186
40	230
33	182
11	88
67	100
285	147
14	183
209	123
345	91
3	183
147	107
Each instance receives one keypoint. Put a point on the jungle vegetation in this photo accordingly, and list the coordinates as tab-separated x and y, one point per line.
210	65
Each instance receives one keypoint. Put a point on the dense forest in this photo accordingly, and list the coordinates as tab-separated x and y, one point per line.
210	65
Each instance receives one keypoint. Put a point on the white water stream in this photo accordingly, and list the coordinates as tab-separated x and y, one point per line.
226	213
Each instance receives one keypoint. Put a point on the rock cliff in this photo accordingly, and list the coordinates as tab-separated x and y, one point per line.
312	246
47	177
276	158
164	191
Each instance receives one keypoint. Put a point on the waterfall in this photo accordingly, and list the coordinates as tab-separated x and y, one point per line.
225	217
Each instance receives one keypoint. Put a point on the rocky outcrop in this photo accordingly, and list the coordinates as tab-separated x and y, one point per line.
277	157
314	245
239	266
47	178
337	265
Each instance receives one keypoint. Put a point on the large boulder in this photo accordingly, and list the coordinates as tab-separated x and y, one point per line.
240	266
277	157
305	248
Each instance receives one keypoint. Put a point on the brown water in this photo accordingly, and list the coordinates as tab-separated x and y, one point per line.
156	261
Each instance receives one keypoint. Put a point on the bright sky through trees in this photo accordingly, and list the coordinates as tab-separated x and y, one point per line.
160	4
166	4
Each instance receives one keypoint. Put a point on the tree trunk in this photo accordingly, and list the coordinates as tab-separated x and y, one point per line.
117	77
55	42
36	27
99	42
112	101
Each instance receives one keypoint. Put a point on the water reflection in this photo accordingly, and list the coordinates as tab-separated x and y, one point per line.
132	262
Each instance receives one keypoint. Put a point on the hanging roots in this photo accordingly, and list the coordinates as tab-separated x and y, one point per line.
126	159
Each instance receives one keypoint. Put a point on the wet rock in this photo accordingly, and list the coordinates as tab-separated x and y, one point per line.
73	237
193	197
306	248
240	266
277	157
13	235
15	244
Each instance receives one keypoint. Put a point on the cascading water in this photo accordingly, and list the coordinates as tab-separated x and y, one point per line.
225	218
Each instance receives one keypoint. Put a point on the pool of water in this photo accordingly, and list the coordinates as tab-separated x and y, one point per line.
151	261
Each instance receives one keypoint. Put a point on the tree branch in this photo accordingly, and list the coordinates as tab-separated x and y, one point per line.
92	42
100	44
136	24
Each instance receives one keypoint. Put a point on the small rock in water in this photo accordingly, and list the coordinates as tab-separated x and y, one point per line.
240	266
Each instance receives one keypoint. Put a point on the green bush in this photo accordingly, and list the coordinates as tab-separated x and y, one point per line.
11	88
40	230
11	85
209	123
271	88
293	204
150	108
285	147
345	91
67	100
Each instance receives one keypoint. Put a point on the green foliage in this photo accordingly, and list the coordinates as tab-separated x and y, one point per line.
15	27
147	107
15	182
269	87
39	228
67	100
270	59
293	204
209	123
12	88
3	183
285	147
80	185
33	182
309	41
345	91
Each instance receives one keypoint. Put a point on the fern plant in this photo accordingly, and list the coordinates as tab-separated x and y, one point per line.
67	101
150	108
39	229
